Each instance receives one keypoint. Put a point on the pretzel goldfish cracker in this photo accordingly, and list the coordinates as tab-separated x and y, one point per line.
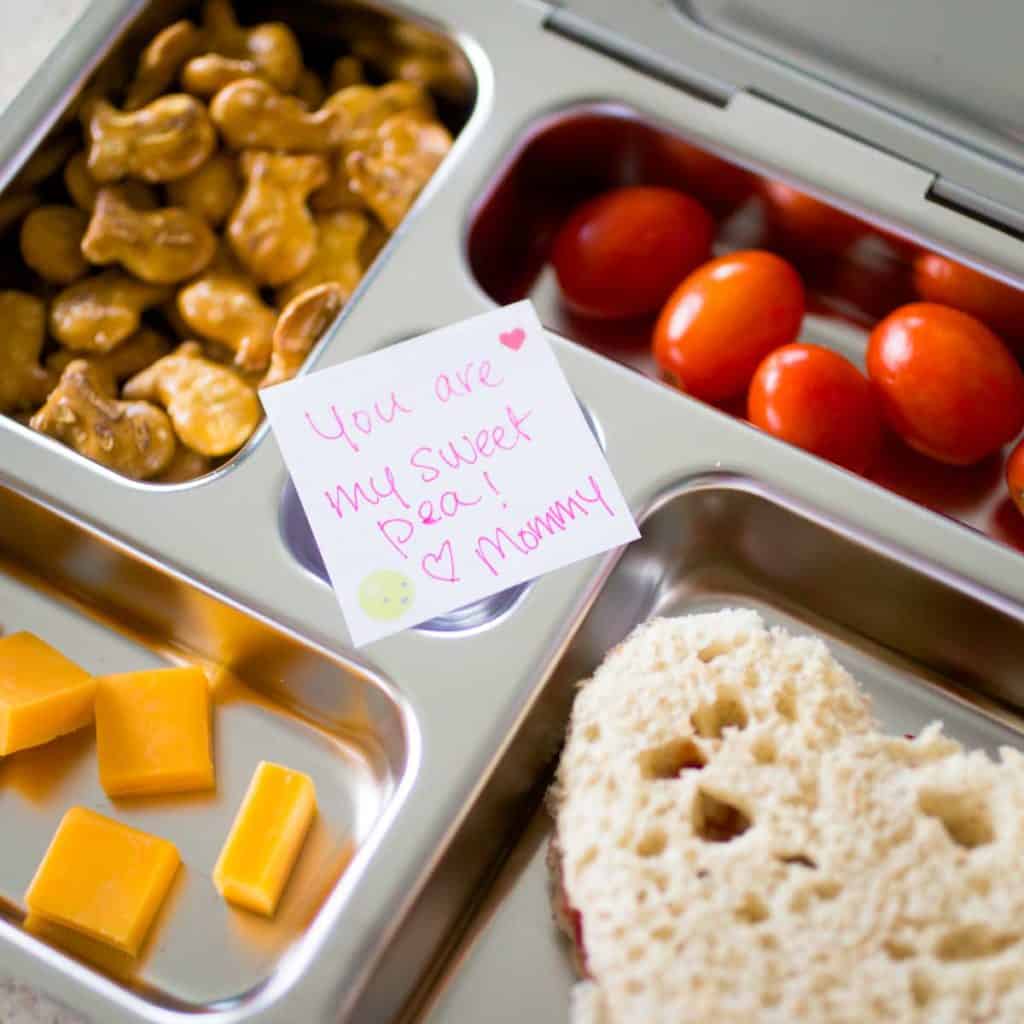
132	438
271	231
164	140
84	189
338	257
389	172
145	346
227	308
161	61
271	47
23	382
252	114
346	71
213	410
301	324
51	243
367	107
99	312
159	246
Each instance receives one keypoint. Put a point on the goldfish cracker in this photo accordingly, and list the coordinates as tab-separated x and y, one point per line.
158	246
51	243
23	382
83	188
338	255
389	172
346	71
271	47
213	410
145	346
14	206
161	61
164	140
271	230
226	307
301	324
211	192
99	312
310	89
135	439
252	114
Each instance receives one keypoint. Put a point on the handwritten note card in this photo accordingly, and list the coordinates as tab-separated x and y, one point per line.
441	470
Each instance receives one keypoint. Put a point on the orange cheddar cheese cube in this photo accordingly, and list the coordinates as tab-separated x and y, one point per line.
103	879
81	946
265	838
153	732
43	695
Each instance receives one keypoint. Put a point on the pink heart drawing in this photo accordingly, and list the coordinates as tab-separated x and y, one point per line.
445	558
513	339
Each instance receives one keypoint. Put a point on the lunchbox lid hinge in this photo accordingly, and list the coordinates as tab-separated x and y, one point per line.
563	22
969	203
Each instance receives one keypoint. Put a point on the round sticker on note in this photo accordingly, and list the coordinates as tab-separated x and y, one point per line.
386	594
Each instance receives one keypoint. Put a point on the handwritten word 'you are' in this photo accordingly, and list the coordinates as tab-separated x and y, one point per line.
359	424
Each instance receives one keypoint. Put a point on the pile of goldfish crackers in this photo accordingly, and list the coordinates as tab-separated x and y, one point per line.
227	197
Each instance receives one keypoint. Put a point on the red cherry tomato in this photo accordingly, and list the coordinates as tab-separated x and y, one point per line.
620	254
724	319
1015	475
819	401
949	387
808	222
720	185
940	279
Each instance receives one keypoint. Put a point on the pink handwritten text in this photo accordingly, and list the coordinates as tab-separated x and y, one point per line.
360	421
474	374
494	549
468	450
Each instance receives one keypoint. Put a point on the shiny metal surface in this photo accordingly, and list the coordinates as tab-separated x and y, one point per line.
276	697
467	693
717	543
884	87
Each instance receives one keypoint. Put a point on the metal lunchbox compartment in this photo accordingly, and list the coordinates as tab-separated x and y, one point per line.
443	913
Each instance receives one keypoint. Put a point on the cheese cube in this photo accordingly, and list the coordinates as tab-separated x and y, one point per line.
42	694
83	947
103	878
153	732
266	837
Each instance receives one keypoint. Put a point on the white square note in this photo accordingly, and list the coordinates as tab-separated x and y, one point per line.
444	469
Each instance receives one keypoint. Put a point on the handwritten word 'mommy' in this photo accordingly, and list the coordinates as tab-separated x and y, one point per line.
363	421
557	518
484	444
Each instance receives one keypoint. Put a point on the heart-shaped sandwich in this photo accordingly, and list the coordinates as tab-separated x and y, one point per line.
736	841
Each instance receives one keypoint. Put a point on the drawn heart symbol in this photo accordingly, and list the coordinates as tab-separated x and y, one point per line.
444	559
513	339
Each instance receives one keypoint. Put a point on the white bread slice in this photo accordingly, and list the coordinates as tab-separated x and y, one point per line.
812	870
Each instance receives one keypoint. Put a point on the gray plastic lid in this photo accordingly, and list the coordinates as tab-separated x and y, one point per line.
937	82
